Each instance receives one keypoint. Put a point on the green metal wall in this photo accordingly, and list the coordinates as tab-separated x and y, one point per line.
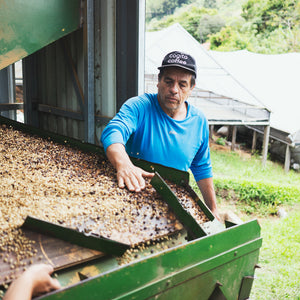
27	26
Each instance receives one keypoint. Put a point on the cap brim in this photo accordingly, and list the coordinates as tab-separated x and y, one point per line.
178	66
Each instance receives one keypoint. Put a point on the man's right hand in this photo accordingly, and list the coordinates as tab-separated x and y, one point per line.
127	173
133	178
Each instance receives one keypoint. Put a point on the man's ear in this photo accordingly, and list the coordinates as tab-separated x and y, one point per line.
191	89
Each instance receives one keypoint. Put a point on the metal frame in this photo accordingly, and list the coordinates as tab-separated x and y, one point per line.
89	65
127	16
8	106
30	90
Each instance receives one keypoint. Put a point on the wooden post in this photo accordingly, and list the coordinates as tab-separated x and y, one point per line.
254	141
265	145
233	140
287	161
211	131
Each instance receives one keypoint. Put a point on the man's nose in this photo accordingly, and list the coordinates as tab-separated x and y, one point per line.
175	88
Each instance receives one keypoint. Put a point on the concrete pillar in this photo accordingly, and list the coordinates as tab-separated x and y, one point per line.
265	144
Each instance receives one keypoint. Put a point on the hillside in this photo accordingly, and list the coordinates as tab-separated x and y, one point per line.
263	26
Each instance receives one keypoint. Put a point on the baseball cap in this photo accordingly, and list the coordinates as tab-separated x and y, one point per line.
181	60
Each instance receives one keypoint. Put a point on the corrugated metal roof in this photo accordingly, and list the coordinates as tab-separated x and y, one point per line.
272	78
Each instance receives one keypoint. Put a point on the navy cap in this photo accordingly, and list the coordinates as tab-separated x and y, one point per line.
181	60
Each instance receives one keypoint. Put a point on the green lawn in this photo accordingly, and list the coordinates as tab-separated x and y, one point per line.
233	165
279	275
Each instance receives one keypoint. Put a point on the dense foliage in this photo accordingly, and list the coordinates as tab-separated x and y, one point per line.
161	8
263	26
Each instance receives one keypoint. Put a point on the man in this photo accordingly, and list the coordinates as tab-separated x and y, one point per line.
163	128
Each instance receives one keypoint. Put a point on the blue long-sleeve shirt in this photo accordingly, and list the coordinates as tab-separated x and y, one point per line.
150	134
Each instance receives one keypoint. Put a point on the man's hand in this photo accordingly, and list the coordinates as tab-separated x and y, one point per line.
34	281
133	178
127	173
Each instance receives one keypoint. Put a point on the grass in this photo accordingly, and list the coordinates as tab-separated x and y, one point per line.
259	189
279	275
233	165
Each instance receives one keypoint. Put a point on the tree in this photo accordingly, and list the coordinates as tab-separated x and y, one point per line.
209	24
269	15
188	17
210	3
160	8
263	26
270	26
228	39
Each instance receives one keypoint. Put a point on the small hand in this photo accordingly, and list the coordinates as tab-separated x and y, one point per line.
34	281
216	214
42	282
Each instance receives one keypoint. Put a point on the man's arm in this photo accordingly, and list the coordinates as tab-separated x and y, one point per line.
206	187
127	173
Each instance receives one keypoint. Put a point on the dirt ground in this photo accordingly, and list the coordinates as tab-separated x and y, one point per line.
243	152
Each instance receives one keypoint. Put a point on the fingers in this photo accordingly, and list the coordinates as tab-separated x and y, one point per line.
135	184
121	183
141	184
133	179
216	214
43	279
148	175
48	268
55	285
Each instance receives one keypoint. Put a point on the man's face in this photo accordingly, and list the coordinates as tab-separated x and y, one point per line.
173	89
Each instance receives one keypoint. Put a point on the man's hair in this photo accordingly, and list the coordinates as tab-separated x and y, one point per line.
193	78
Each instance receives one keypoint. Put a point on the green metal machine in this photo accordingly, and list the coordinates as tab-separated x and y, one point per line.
211	262
219	266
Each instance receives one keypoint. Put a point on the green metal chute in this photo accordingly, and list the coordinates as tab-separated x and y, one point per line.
27	26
